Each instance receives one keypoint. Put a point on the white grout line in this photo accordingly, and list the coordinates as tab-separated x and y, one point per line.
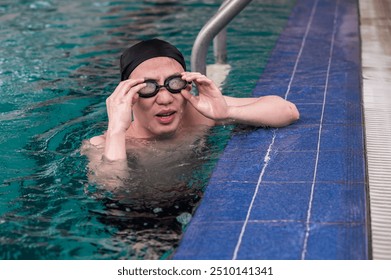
301	47
307	231
266	162
267	156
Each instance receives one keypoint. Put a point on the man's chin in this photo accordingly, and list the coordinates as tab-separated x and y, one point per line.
167	132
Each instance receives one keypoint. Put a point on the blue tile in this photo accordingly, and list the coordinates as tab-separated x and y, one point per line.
209	241
309	113
337	242
297	138
317	78
246	168
268	86
339	203
343	113
301	14
343	93
284	61
281	202
317	50
291	167
289	44
346	73
250	139
342	137
278	240
244	156
341	166
225	202
307	93
350	78
268	80
343	60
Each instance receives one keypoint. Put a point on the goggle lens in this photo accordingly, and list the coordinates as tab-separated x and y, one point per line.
175	85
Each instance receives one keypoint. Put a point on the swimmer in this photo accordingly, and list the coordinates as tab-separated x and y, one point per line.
154	101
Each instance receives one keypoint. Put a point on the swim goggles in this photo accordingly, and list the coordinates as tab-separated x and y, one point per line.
173	84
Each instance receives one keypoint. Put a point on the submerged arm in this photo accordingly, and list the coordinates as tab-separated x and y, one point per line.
119	110
107	153
102	171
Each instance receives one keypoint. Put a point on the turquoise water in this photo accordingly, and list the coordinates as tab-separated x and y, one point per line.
58	64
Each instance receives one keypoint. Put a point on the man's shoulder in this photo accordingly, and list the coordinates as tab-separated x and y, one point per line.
98	140
92	144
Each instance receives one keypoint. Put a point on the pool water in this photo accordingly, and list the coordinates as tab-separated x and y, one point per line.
58	64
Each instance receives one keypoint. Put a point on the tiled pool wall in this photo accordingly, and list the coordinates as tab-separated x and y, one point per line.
297	192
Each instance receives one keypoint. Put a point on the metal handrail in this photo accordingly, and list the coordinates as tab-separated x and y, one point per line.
228	10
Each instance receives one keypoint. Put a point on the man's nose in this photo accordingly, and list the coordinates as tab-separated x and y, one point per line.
164	96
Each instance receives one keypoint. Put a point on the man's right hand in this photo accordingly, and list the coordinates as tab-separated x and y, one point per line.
119	109
119	104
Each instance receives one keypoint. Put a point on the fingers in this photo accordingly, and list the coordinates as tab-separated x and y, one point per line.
120	103
196	77
126	91
203	83
189	97
205	86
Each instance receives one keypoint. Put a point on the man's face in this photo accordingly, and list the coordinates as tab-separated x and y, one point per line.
162	114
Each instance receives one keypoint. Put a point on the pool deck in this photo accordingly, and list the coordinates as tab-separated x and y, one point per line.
298	192
375	30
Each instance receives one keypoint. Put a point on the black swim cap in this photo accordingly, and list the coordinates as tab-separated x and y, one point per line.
145	50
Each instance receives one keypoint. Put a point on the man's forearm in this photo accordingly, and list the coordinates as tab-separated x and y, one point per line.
274	112
115	148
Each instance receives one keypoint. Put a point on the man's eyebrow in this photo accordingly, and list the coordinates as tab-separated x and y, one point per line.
148	78
174	74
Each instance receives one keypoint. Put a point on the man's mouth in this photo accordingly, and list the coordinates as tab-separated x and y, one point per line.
165	117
